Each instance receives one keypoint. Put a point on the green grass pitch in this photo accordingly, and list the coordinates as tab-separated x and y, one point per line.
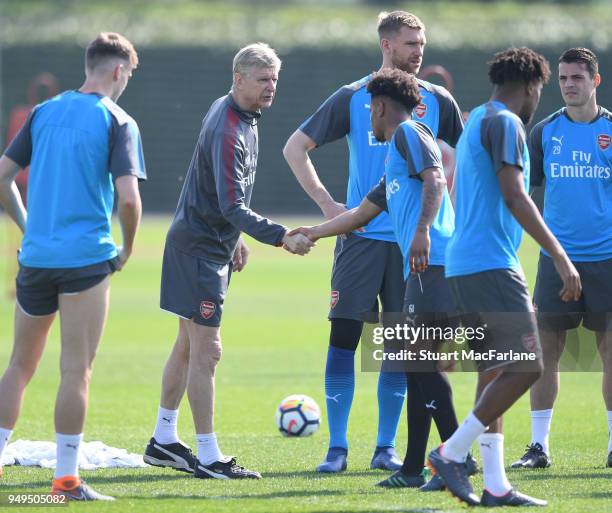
275	337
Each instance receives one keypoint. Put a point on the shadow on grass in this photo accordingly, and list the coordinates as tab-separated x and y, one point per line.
92	479
152	477
387	510
31	484
100	479
594	495
129	478
239	496
398	509
140	478
322	475
539	475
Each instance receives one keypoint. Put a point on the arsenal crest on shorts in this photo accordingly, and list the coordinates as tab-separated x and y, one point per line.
604	141
335	297
207	309
530	342
420	110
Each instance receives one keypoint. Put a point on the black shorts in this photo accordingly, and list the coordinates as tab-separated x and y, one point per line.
429	303
193	288
429	298
498	303
38	288
593	309
364	270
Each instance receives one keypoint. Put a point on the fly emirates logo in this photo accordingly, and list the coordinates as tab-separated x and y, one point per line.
583	167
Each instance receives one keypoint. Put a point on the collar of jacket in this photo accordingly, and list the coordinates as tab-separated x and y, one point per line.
248	116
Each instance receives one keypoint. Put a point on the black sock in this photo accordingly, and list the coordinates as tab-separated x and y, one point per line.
419	424
438	397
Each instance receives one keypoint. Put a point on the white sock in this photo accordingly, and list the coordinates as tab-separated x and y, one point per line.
208	450
609	430
67	455
492	456
5	436
540	428
458	445
165	428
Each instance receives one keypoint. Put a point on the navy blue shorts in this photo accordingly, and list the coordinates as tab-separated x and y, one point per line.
498	301
593	309
193	288
428	303
364	271
429	300
38	288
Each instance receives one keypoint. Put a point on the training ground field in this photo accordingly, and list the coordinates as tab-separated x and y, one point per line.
275	339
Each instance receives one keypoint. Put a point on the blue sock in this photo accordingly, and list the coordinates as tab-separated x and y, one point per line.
391	394
339	390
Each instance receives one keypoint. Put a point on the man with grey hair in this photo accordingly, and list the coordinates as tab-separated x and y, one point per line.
258	54
203	247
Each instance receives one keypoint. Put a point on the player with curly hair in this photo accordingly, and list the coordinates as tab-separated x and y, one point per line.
414	194
359	282
492	209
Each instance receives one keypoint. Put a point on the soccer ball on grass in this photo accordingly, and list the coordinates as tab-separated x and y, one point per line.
298	415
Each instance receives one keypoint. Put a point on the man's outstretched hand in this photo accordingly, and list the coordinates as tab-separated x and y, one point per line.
297	243
307	231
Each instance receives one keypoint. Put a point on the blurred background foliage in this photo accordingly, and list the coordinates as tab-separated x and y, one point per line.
186	49
305	23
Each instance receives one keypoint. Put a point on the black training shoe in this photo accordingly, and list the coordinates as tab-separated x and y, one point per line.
177	456
224	469
455	476
512	498
534	457
435	484
471	464
335	461
385	458
400	480
609	464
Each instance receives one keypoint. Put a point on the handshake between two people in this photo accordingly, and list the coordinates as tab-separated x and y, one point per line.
339	222
305	237
343	222
309	235
301	240
297	242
